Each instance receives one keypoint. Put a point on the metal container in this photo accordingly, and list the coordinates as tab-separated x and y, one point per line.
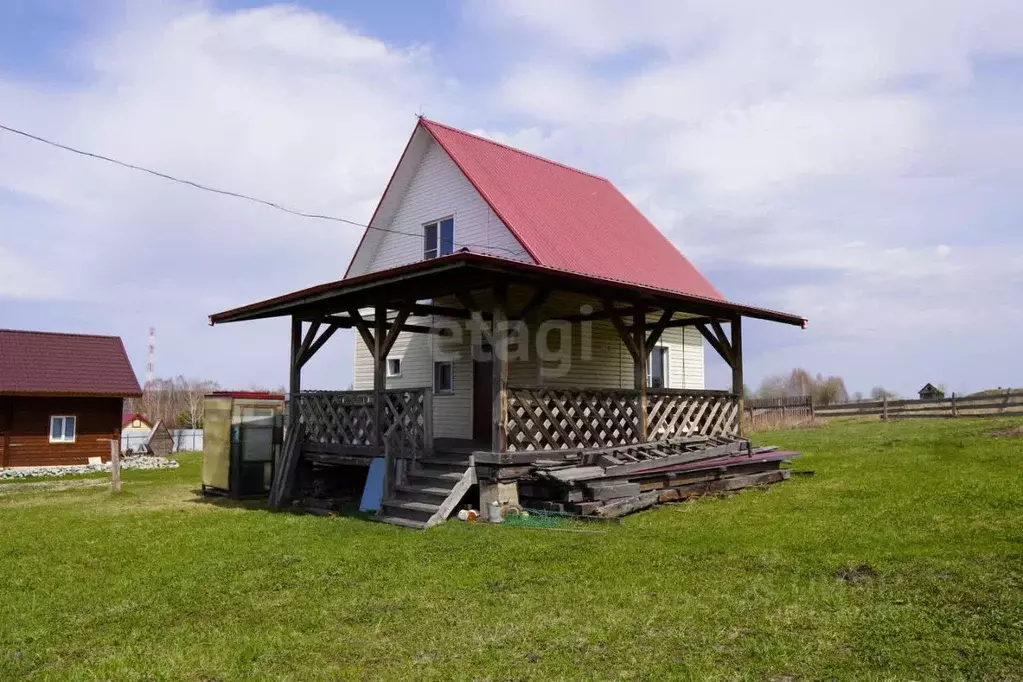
242	435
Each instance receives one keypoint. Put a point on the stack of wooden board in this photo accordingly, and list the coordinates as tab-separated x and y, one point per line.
610	482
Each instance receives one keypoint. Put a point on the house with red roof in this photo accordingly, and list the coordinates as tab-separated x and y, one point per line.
137	421
506	303
61	397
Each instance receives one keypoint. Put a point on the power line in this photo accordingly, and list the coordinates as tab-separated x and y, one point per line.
229	193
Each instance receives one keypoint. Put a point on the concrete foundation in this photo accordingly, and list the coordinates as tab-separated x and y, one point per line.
505	494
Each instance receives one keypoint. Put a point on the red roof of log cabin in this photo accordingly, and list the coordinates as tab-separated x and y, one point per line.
46	363
568	219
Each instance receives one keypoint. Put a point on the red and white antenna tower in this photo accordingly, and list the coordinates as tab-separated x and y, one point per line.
150	358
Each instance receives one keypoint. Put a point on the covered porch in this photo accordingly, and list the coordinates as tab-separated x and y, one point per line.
495	309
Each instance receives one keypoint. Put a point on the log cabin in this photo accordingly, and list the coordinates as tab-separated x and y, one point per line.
507	304
61	397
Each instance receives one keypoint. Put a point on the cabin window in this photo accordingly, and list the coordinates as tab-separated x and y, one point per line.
443	377
394	367
62	429
438	238
657	368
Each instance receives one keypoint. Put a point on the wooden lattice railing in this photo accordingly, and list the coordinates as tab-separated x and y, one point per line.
347	417
673	413
542	418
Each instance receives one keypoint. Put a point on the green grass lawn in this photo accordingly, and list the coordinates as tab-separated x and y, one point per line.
923	519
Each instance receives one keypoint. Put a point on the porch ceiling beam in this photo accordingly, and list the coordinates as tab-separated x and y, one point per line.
623	331
599	314
310	335
712	339
658	328
467	301
424	309
687	322
360	324
318	343
723	340
539	298
500	290
348	323
392	333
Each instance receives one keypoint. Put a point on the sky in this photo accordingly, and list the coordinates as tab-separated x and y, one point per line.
856	163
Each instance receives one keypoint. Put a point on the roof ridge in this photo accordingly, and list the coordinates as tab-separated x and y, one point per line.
75	334
514	149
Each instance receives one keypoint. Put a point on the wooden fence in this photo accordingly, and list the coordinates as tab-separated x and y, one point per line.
1008	403
763	413
543	418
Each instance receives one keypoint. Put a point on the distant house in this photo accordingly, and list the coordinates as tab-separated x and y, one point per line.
931	392
136	420
61	397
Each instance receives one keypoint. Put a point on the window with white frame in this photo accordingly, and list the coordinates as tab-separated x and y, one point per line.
394	367
438	238
657	368
443	377
62	429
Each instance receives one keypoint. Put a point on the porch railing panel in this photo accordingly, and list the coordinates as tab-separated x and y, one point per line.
347	418
544	418
342	417
673	413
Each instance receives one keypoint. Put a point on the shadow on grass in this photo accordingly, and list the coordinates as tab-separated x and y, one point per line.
261	503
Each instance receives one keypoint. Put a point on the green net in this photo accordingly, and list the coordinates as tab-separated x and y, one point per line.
546	518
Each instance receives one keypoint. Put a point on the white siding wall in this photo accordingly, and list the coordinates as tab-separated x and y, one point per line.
438	190
452	413
610	364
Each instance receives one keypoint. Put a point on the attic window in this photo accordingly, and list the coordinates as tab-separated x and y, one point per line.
394	367
438	238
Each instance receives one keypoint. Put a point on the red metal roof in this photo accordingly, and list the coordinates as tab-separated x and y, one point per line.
469	262
568	219
45	363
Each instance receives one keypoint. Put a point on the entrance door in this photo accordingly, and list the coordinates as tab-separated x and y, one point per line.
482	395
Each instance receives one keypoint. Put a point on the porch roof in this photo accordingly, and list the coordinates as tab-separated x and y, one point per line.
466	271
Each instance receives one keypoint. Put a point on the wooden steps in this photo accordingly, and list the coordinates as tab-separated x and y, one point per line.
431	490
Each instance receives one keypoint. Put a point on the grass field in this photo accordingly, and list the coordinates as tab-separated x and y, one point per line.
901	558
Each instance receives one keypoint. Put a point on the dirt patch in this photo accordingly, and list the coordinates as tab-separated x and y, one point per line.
1009	433
857	575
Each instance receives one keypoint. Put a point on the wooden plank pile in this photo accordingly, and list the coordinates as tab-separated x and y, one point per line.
610	482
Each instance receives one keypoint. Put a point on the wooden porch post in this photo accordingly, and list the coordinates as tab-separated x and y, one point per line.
634	338
639	366
499	351
295	374
379	369
737	383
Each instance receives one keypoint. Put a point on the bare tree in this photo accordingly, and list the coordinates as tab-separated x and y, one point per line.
176	402
194	394
880	393
799	382
830	391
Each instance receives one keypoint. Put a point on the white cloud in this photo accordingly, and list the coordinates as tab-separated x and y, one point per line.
278	102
